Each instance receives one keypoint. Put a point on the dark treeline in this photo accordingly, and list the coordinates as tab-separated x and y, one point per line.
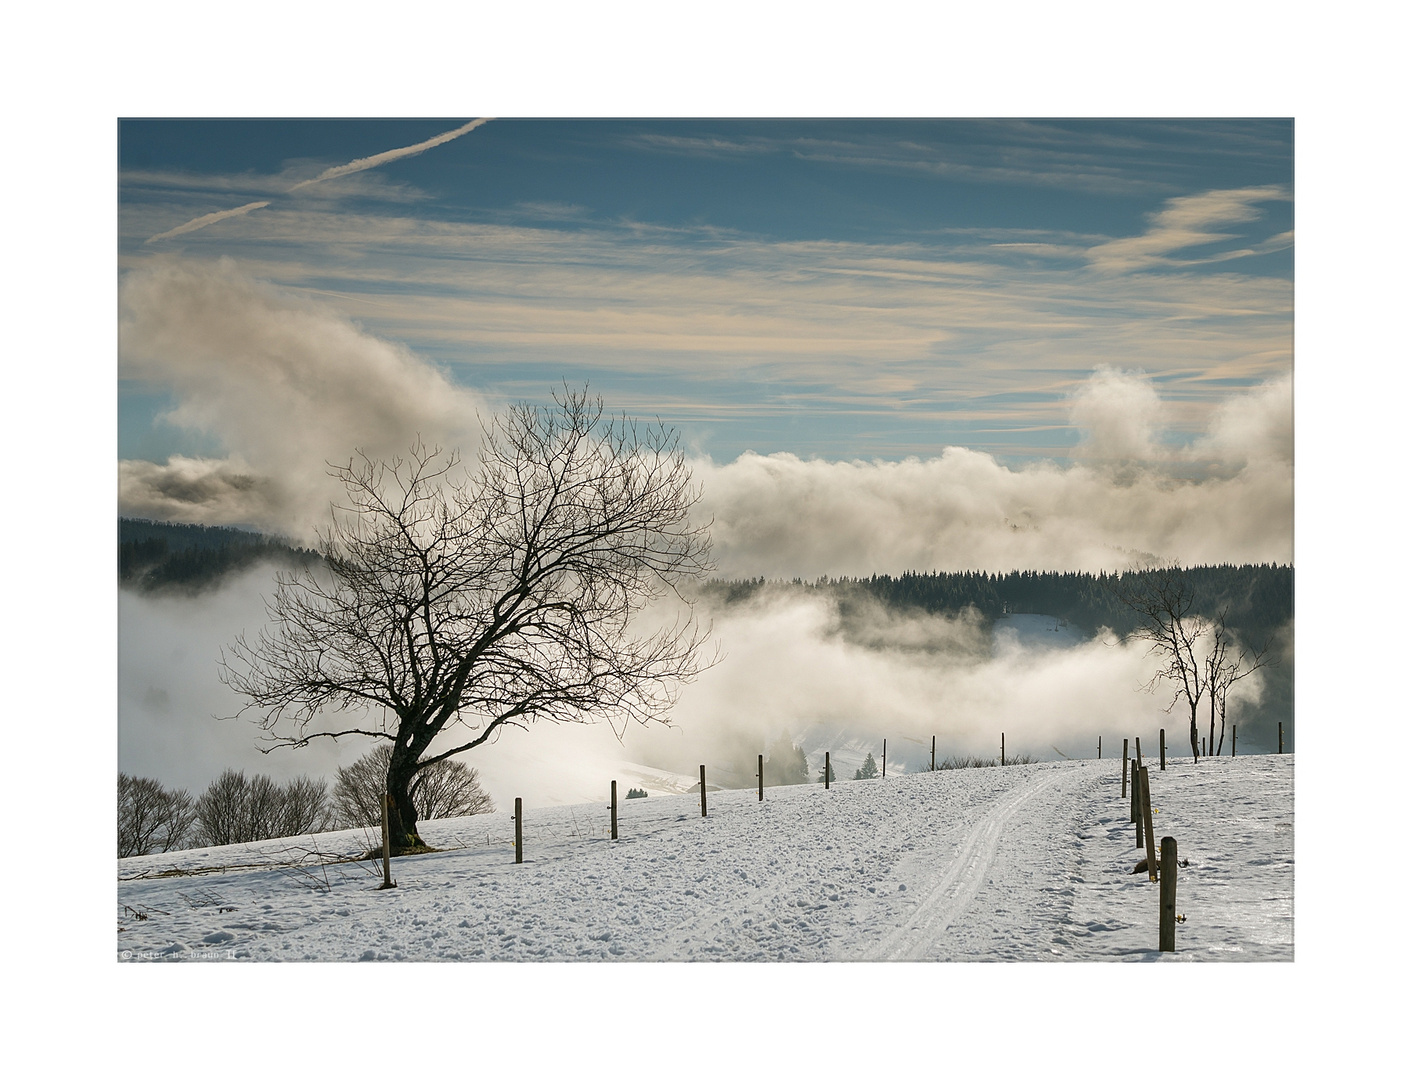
1258	599
156	555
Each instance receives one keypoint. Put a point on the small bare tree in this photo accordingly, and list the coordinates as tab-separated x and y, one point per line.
463	602
151	817
446	789
1164	603
304	807
1223	671
222	811
235	809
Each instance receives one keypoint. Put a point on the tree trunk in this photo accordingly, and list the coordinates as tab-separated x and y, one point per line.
402	812
1211	739
1195	733
1217	751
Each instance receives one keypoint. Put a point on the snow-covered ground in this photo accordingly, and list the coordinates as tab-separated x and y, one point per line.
1028	862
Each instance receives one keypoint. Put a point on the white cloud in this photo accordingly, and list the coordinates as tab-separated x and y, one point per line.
286	386
1120	414
782	516
1186	222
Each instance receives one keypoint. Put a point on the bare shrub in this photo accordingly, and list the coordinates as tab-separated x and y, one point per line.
236	810
151	817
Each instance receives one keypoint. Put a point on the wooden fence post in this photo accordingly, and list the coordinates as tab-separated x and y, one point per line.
826	770
1002	748
519	832
1100	748
1282	736
613	806
1137	751
933	753
386	848
1125	768
1167	919
760	774
884	775
1147	827
1162	748
703	791
1232	740
1135	805
1203	746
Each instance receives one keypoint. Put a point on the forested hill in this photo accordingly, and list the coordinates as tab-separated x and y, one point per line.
1258	599
159	555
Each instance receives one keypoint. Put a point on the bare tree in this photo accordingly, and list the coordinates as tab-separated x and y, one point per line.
305	807
223	811
461	602
151	817
1223	671
446	789
1163	601
237	810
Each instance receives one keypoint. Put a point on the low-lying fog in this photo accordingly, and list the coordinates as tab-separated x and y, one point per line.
791	667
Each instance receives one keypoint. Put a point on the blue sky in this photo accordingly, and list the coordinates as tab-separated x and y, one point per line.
831	289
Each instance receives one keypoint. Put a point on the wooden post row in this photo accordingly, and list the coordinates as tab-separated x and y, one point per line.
519	832
703	791
1147	827
1167	898
1162	748
613	807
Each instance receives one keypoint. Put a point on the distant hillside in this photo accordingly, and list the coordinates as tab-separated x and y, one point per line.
1258	601
159	555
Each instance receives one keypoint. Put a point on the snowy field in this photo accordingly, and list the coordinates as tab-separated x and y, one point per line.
1028	862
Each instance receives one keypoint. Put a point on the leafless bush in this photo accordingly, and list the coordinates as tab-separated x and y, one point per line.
973	761
235	810
443	789
305	807
151	817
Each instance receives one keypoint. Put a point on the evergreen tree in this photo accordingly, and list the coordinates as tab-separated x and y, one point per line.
785	764
869	771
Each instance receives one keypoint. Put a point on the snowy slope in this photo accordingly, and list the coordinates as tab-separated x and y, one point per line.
1020	863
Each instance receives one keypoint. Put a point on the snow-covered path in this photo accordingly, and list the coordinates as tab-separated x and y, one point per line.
1028	862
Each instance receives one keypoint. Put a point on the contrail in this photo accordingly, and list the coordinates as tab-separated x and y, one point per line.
328	174
390	155
207	219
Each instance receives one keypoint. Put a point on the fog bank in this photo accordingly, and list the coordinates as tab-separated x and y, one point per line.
791	667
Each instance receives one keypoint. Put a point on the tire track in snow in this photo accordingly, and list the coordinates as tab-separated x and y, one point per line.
948	900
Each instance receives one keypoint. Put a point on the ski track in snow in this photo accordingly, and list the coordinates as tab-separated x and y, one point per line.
1028	862
965	874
